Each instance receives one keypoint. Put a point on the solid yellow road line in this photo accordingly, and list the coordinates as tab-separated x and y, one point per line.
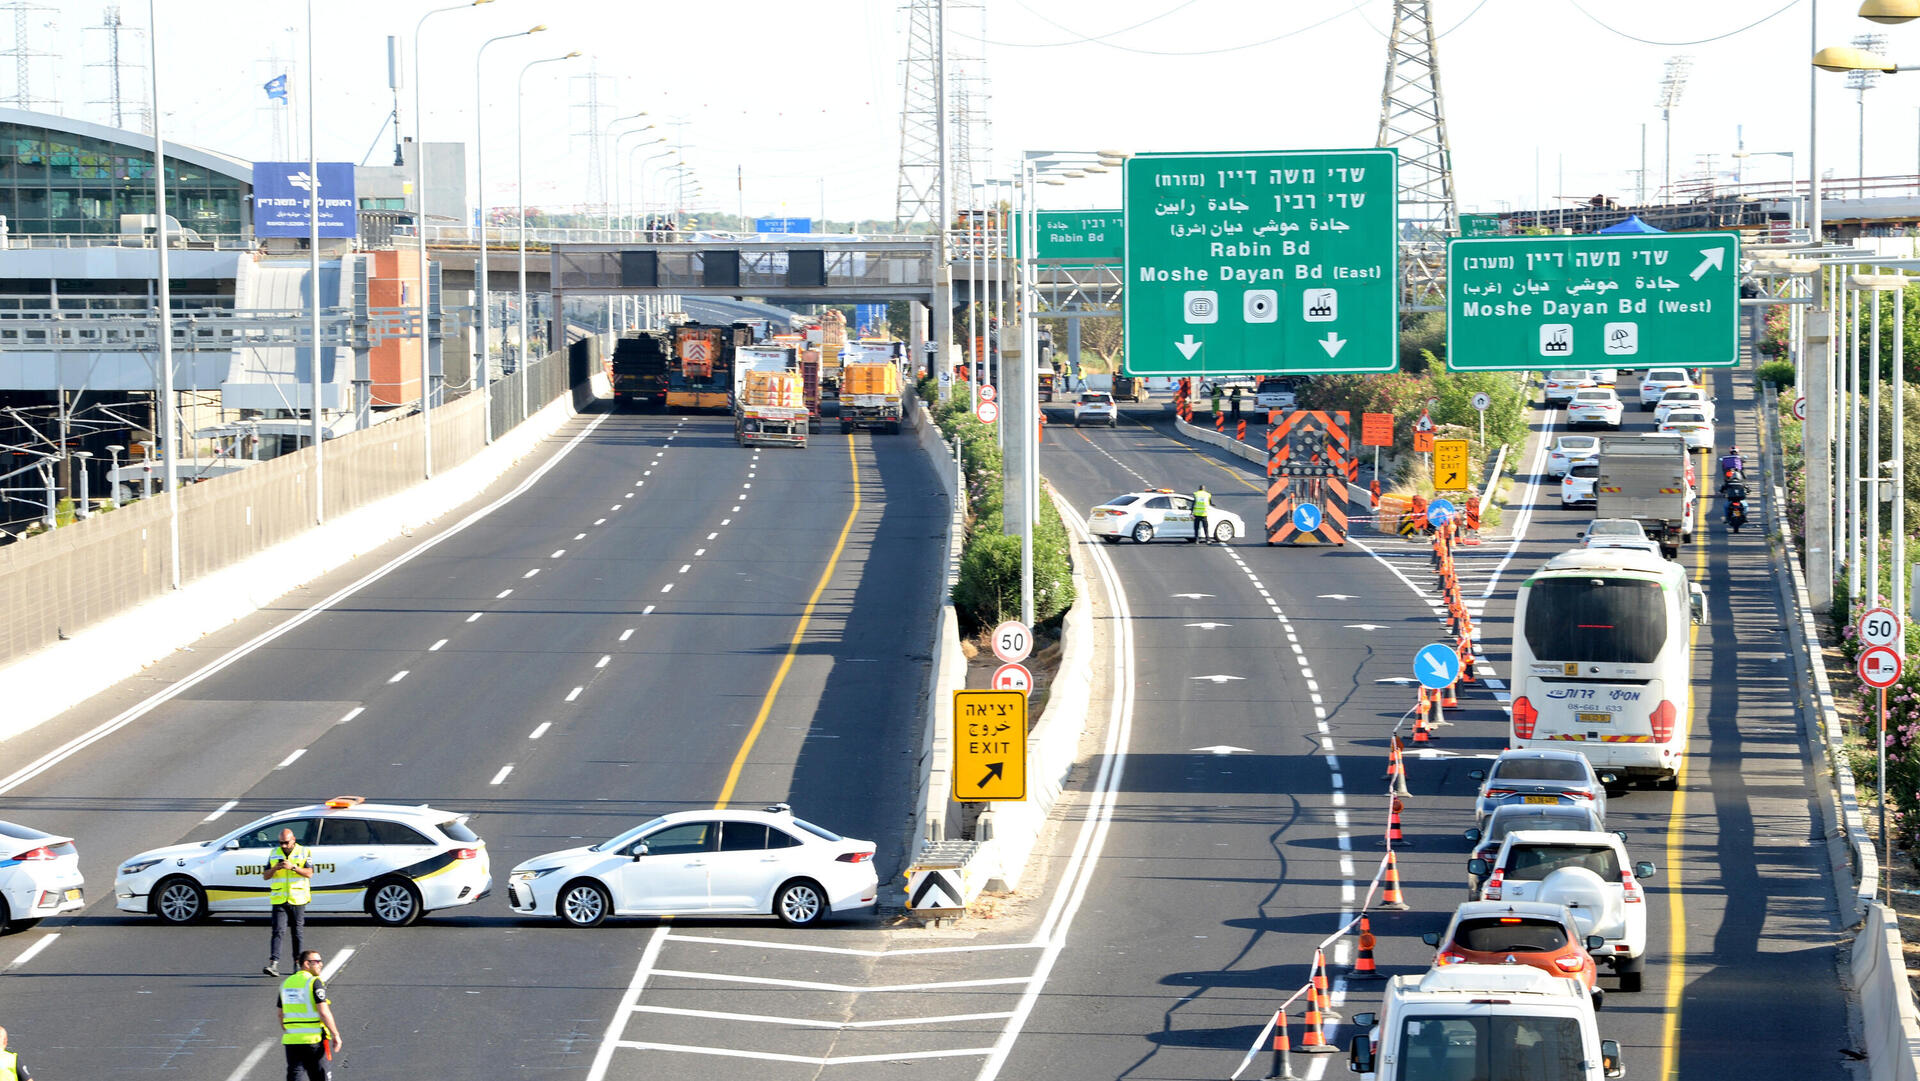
1676	903
793	646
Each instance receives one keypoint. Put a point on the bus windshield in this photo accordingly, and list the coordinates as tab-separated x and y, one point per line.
1596	620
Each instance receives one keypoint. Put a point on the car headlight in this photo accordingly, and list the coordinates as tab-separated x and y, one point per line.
138	866
529	876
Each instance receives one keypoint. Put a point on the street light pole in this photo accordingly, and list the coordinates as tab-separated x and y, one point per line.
520	187
165	420
483	368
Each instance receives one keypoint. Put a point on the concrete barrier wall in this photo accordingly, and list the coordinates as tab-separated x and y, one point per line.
936	816
87	605
1879	975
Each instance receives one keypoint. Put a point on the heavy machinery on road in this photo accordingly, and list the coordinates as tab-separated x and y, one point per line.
770	409
870	396
1647	478
689	366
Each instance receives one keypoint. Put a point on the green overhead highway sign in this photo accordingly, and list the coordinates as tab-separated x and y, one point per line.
1276	262
1632	301
1067	235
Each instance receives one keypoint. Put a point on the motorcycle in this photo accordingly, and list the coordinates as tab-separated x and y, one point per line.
1736	514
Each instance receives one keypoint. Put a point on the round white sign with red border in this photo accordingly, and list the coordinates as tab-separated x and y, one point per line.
1879	667
1799	409
987	393
1879	627
1013	677
987	412
1012	642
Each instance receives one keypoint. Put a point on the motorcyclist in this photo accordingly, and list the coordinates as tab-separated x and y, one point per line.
1732	462
1735	512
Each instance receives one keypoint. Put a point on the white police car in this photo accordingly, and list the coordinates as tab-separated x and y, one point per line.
395	863
1146	515
39	876
711	862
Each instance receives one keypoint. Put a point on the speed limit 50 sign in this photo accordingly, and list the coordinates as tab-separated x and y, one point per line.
1879	627
1012	641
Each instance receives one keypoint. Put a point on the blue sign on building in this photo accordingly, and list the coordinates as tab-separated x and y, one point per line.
280	193
783	225
870	320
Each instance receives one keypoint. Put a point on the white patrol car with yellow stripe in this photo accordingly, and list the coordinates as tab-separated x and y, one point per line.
395	863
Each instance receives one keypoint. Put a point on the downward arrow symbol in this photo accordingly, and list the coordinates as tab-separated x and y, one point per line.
1332	343
1188	347
1711	259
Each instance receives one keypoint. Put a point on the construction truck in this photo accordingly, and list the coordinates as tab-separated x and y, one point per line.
828	342
770	408
640	372
870	396
700	366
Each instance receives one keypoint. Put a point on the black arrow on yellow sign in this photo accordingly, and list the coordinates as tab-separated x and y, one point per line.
994	771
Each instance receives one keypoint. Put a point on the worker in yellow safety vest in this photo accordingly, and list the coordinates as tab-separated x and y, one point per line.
288	874
1202	504
11	1068
308	1033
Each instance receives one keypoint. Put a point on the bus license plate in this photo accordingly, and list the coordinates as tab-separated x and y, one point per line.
1596	718
1540	799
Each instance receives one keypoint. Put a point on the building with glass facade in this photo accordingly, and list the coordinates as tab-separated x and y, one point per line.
60	176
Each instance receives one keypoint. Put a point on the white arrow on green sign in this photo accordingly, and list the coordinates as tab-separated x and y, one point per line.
1273	262
1633	301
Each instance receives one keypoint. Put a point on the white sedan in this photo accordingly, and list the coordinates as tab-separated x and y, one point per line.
395	863
1598	405
1683	398
1617	533
1576	488
1561	385
712	862
1569	449
1692	425
1658	381
1161	512
1095	407
39	876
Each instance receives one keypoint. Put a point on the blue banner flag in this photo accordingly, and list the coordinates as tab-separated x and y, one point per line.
276	88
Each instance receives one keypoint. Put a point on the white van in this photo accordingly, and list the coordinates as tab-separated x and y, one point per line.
1508	1021
1603	661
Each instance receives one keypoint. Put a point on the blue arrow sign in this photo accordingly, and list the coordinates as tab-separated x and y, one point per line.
1436	666
1306	517
1440	512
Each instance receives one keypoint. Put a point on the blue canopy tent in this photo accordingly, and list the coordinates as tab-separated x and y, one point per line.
1633	224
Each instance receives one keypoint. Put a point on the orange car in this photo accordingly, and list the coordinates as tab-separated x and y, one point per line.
1544	936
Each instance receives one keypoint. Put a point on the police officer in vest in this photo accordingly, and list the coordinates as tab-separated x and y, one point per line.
289	868
1202	503
307	1028
11	1068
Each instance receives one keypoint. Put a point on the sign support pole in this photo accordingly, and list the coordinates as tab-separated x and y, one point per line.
1880	745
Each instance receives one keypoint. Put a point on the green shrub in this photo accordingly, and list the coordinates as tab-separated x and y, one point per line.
1777	372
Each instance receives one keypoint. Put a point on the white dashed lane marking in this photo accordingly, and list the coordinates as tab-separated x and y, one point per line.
540	731
435	648
291	759
502	775
575	693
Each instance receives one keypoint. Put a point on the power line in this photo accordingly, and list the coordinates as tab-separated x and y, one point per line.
1575	5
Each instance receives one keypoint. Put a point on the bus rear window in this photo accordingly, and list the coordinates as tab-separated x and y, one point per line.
1596	620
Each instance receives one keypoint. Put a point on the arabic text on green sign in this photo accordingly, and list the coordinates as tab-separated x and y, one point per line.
1240	263
1635	301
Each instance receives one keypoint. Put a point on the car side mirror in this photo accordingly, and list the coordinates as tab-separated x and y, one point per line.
1610	1062
1472	836
1364	1020
1697	602
1479	867
1477	775
1596	942
1431	938
1643	870
1360	1056
232	846
639	850
1622	834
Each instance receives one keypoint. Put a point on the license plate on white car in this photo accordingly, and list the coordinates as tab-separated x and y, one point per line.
1540	799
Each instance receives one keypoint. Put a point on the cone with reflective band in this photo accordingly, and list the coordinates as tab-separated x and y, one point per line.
1219	422
1448	699
1466	655
1393	838
1420	734
1240	432
1397	770
1314	1042
1363	968
1282	1050
1327	1012
1391	898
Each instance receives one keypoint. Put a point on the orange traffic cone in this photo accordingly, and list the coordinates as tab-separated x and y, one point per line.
1391	898
1420	734
1219	421
1327	1012
1394	836
1448	700
1240	432
1314	1042
1466	656
1439	719
1363	968
1396	769
1282	1050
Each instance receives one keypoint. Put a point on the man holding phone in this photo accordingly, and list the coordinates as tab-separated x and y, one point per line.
289	869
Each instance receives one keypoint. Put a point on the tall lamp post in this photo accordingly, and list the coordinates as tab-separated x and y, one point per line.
420	230
520	186
483	368
613	165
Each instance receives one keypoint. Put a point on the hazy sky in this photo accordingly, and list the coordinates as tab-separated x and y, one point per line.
803	98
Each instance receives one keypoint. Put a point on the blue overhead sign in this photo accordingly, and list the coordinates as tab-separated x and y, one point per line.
281	190
783	225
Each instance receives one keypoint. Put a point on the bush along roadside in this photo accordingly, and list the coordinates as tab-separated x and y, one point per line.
988	590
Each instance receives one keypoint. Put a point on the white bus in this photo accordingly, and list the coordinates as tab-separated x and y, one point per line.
1603	661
